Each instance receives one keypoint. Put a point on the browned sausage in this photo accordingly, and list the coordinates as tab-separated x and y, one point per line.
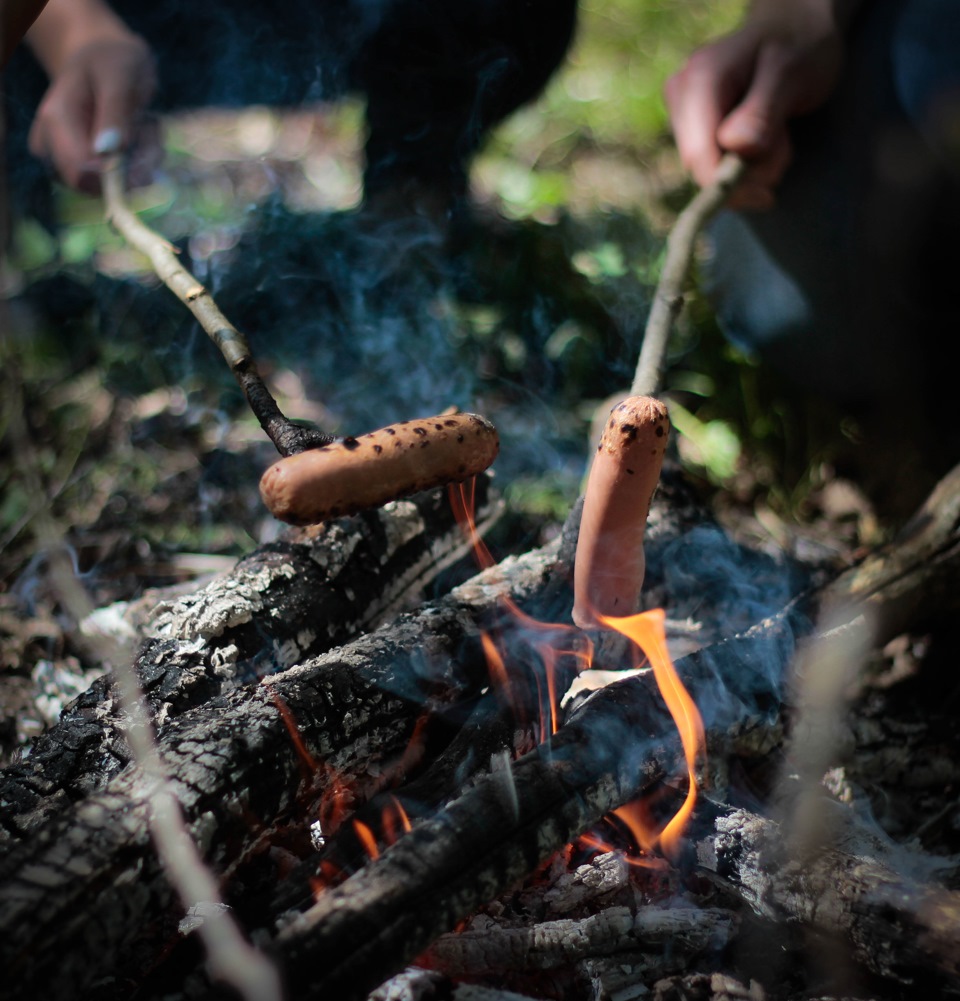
358	473
610	563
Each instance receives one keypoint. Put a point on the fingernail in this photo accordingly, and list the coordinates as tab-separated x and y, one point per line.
107	141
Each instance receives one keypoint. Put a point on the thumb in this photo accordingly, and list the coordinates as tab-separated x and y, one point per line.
112	119
756	124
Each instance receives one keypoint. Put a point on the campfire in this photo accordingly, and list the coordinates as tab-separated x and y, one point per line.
538	784
415	804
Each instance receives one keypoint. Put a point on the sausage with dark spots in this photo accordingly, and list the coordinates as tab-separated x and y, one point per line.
342	479
610	562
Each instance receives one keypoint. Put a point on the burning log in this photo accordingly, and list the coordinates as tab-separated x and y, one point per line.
507	824
282	604
87	884
620	743
87	876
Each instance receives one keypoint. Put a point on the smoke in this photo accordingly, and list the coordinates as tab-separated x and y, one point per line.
729	590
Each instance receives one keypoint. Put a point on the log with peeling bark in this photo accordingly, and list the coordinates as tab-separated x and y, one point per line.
551	944
284	603
913	580
856	885
85	890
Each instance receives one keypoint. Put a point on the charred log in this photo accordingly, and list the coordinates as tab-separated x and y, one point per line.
89	877
281	605
611	932
619	743
856	885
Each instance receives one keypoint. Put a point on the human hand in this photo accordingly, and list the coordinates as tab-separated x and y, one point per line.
738	93
94	105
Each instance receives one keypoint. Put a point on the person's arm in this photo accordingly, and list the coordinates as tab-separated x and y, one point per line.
101	79
738	93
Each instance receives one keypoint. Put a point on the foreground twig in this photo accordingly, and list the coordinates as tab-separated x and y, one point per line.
231	958
289	437
668	298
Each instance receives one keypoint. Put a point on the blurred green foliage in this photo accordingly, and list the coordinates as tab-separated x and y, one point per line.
609	94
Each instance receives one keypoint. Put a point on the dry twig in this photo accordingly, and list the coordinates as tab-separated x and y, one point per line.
669	296
284	433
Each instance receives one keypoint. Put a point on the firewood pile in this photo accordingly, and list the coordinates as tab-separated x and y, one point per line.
388	816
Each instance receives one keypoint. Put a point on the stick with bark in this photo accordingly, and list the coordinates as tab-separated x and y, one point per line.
669	297
319	476
289	438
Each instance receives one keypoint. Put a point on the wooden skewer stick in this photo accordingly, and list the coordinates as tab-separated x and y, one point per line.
609	565
669	297
290	438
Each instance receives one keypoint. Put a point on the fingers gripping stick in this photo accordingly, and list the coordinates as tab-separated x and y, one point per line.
352	474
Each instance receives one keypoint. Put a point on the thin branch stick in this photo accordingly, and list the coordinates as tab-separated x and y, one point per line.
287	436
231	958
669	296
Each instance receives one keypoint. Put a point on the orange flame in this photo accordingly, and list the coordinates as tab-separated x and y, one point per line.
549	649
307	761
463	501
366	838
646	629
395	822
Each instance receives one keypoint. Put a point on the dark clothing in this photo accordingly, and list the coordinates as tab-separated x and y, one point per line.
437	75
848	284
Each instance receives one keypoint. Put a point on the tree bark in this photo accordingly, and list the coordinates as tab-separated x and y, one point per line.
282	604
854	885
85	889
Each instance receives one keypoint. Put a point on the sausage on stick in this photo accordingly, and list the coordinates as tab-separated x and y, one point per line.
321	476
610	562
352	474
